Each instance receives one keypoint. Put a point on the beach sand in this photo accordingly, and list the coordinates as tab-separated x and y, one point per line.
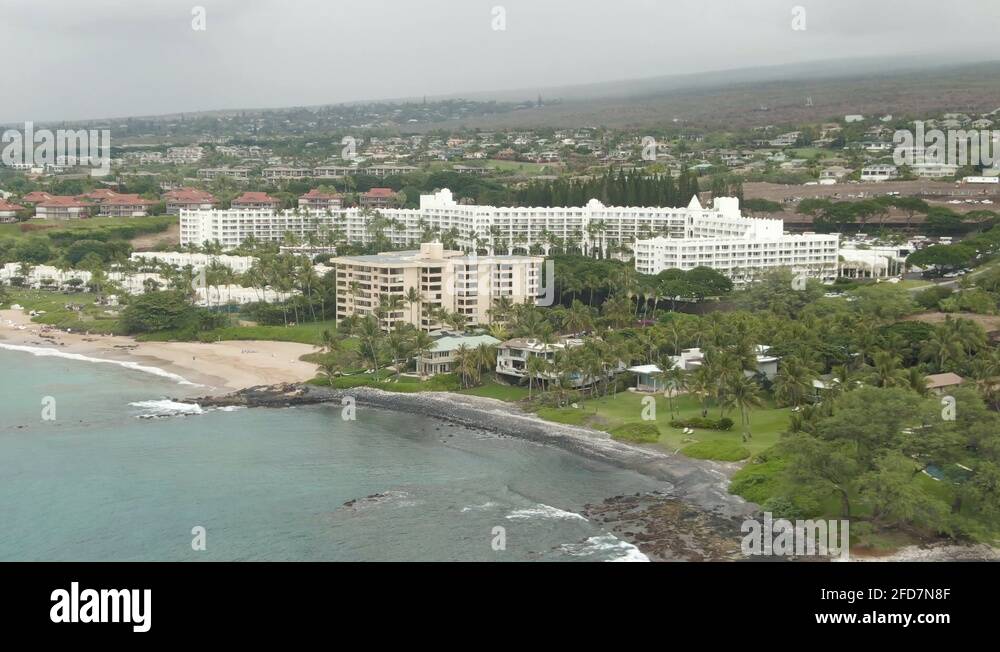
220	367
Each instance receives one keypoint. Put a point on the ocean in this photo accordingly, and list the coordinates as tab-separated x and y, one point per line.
123	474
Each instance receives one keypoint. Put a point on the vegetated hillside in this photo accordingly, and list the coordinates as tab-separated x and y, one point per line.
734	100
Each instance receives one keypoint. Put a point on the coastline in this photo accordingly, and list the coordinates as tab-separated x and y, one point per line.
699	483
216	367
269	374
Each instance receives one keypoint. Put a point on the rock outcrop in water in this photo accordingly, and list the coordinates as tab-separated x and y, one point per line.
668	529
268	396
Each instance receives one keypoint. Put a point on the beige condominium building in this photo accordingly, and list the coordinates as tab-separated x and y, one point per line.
445	279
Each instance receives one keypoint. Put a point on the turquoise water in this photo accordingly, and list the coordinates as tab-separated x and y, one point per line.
100	483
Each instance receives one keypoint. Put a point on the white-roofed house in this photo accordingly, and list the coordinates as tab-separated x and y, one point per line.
440	358
648	378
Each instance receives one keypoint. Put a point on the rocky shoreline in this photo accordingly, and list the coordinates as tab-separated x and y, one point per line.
695	492
699	483
649	522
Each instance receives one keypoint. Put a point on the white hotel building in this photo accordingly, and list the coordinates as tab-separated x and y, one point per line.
717	236
594	225
763	245
238	264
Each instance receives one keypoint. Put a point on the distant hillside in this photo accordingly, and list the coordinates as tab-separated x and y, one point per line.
717	100
734	98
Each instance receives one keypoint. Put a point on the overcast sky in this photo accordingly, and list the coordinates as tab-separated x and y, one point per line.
73	59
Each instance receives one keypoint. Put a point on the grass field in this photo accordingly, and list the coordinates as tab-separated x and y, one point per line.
91	317
496	390
392	383
124	228
810	152
610	412
522	167
309	333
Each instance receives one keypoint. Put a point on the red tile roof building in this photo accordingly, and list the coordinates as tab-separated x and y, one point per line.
36	197
125	206
62	208
99	195
379	198
256	200
314	200
8	211
188	198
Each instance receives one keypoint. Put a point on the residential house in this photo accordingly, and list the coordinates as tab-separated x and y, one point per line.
63	208
256	201
8	211
125	206
440	358
940	383
189	199
379	198
879	172
316	200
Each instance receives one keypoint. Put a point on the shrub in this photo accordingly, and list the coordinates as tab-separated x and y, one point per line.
641	433
704	423
759	481
930	298
166	311
783	507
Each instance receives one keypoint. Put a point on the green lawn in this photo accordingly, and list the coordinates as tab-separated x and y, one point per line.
810	152
102	228
91	317
609	412
390	383
523	167
496	390
308	333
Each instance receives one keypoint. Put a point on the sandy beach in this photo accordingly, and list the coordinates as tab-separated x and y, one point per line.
220	367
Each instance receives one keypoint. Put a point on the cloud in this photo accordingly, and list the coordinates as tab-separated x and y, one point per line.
105	58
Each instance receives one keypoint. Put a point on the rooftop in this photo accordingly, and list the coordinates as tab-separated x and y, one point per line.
453	342
188	195
429	252
937	381
255	198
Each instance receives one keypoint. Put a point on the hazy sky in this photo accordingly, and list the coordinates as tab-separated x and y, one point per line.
71	59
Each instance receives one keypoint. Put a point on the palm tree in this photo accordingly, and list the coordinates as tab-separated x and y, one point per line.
456	321
917	381
942	348
486	359
399	346
888	371
701	383
535	367
330	370
330	341
501	309
674	381
413	297
370	334
743	392
388	304
793	382
464	364
577	318
421	346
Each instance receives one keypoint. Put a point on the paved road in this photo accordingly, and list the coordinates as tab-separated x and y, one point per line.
953	282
